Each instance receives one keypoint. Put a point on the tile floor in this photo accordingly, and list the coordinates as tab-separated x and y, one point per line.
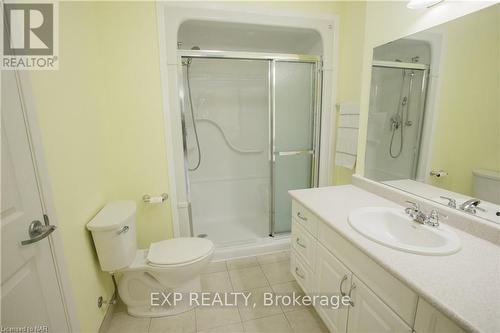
259	274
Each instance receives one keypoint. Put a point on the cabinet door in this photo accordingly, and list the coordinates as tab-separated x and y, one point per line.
369	314
430	320
331	276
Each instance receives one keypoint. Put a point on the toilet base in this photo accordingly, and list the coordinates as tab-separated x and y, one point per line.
145	309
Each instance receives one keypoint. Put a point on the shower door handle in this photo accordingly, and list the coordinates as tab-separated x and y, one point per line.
294	152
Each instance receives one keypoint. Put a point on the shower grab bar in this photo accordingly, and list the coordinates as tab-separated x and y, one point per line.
230	145
294	152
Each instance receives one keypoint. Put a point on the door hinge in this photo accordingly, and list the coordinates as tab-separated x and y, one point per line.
46	219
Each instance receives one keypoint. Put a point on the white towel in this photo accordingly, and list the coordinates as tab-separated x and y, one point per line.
347	135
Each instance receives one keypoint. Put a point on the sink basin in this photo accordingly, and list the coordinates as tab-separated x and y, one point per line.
393	228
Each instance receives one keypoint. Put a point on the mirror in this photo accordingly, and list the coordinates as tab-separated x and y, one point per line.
434	116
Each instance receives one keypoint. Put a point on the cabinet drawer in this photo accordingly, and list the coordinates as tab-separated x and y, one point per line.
305	217
393	292
303	243
302	274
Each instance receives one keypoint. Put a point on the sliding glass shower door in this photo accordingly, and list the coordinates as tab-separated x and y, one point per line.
227	148
294	148
249	137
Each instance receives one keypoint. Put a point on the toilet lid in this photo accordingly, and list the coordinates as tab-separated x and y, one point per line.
178	250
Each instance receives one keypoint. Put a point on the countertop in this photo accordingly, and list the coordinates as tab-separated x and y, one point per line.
465	286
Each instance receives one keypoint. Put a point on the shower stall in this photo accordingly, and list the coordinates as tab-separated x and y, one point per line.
397	110
251	133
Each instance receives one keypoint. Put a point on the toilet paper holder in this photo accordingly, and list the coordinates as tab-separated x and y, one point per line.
154	200
438	173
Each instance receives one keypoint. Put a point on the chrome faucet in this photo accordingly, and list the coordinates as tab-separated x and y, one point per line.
415	213
451	202
470	206
418	216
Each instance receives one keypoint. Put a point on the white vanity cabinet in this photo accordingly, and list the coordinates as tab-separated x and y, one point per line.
323	262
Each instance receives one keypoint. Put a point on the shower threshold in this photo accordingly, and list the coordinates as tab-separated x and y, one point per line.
259	246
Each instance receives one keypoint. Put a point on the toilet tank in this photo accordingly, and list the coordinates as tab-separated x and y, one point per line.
113	231
487	185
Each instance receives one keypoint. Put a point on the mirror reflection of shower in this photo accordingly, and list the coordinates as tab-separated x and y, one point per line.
397	108
398	121
401	118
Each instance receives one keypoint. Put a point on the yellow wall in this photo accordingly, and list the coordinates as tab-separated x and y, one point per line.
133	114
390	20
67	103
349	68
101	120
467	132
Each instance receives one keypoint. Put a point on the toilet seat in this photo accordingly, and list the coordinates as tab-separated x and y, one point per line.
178	251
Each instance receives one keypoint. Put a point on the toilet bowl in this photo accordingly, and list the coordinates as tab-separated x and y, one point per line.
148	275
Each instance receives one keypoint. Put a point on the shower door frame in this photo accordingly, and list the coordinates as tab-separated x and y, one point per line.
423	96
272	59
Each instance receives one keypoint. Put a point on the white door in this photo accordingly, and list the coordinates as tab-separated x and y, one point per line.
369	314
332	278
29	286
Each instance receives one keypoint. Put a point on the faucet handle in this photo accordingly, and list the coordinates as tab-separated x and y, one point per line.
451	202
434	217
415	205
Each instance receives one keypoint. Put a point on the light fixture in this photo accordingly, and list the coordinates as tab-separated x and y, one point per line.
419	4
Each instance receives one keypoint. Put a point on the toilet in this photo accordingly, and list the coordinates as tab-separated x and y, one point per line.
487	185
168	266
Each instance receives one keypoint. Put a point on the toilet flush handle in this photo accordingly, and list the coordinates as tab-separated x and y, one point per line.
123	230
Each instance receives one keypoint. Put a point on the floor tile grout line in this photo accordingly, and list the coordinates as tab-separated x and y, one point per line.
289	323
195	319
270	285
265	276
232	287
265	316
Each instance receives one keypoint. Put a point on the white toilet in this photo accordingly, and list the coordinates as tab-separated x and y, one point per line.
167	266
487	185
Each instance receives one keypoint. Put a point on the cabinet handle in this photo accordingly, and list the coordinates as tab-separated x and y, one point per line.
353	286
303	218
341	283
298	273
299	243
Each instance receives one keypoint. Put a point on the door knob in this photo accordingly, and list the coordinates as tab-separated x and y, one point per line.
37	231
